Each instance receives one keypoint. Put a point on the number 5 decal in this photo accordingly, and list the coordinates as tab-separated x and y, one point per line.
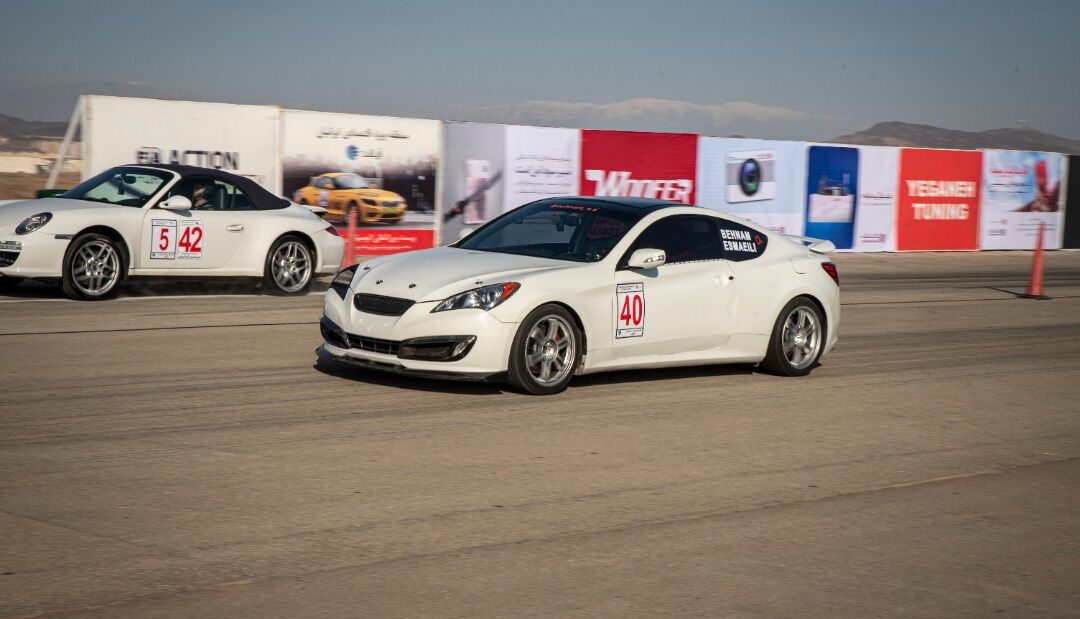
629	310
163	239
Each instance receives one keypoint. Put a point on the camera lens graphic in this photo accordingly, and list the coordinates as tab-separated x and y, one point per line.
750	176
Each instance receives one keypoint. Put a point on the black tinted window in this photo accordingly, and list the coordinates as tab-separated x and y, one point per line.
684	238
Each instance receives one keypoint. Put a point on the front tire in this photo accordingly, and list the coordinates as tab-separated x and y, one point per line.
798	339
93	267
290	264
546	351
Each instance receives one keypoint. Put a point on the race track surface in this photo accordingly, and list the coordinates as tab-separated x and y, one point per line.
179	453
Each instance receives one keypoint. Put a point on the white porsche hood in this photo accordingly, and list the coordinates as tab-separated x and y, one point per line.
434	274
13	213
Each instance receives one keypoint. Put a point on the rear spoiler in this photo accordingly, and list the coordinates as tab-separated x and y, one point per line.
318	210
817	246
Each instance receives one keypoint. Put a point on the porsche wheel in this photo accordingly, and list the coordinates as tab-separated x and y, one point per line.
546	351
93	266
798	339
289	266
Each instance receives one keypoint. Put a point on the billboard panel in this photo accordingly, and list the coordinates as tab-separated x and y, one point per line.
875	217
474	176
832	194
541	162
396	157
1021	190
643	165
242	139
763	181
939	199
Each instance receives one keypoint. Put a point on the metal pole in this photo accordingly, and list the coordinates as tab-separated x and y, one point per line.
76	118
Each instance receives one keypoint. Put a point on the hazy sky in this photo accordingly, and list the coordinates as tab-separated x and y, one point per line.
959	64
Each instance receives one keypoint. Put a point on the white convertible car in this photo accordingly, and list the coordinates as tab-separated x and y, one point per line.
164	220
571	286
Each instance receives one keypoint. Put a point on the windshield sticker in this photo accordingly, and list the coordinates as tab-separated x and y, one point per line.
629	310
741	243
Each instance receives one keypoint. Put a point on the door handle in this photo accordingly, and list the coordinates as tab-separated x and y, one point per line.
235	227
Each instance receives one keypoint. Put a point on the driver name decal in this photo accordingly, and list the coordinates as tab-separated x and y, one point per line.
738	240
629	310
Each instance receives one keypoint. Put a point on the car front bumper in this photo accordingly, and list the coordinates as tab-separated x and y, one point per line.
37	255
376	341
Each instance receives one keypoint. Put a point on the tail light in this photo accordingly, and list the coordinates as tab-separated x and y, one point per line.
333	230
830	268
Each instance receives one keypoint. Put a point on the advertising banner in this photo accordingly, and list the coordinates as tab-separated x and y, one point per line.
643	165
875	215
384	167
542	162
939	199
242	139
763	181
832	194
1072	204
1021	190
474	176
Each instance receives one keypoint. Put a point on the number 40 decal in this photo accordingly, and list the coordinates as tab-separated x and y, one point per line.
629	310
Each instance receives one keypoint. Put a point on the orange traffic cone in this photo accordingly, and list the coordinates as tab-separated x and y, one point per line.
349	257
1035	283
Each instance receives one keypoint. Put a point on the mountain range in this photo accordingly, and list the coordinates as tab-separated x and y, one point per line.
735	119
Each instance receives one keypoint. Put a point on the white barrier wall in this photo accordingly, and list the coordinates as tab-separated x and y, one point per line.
242	139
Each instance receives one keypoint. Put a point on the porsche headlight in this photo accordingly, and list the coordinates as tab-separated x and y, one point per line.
32	223
485	298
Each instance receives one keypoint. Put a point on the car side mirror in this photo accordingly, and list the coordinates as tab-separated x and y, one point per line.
646	258
176	203
464	233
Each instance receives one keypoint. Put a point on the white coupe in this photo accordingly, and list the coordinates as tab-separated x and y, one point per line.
571	286
164	220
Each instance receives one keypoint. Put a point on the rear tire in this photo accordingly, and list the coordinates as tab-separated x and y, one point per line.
93	267
290	265
798	339
546	351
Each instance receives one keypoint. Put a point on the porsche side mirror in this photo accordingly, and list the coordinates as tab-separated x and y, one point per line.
464	233
176	203
646	259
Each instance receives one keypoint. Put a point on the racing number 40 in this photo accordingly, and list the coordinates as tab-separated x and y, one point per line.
633	310
630	310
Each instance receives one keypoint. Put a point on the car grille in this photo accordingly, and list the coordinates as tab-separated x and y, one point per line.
7	258
383	306
373	344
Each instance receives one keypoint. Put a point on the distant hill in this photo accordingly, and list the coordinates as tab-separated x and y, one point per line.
927	136
13	128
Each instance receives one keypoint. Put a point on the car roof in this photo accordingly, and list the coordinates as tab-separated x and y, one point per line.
646	205
261	198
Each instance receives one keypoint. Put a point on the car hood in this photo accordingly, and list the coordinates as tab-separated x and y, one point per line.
434	274
13	213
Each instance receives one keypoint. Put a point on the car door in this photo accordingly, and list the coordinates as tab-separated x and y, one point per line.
678	308
203	238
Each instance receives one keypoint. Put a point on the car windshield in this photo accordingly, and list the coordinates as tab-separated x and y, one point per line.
351	181
123	186
559	229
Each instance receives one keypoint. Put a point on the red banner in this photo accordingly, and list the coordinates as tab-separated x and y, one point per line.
642	165
381	242
939	199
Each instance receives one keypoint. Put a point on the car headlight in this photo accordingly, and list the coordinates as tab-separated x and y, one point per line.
343	280
370	202
485	298
32	223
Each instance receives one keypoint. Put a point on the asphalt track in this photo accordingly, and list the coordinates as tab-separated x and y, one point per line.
178	453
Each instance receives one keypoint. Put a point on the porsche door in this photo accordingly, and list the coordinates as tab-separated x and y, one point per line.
206	237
